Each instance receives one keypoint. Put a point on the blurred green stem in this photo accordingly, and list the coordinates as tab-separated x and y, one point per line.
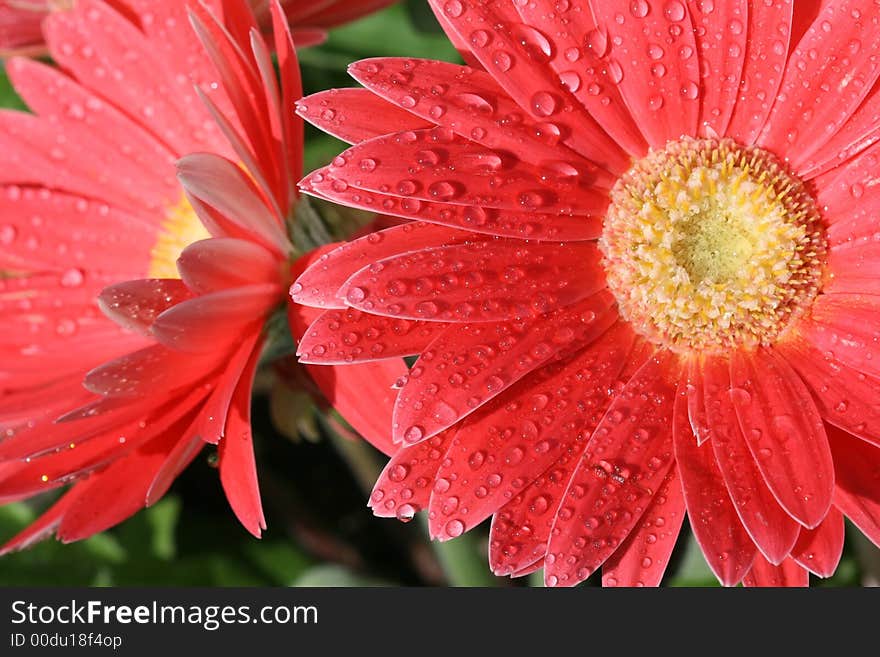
462	560
359	455
536	579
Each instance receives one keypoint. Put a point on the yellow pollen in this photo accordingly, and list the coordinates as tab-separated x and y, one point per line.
180	228
710	245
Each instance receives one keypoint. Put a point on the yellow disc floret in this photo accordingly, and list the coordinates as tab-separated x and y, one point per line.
180	228
710	245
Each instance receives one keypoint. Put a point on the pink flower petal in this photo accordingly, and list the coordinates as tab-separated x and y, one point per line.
210	426
578	58
724	542
291	91
404	487
239	78
772	529
166	26
340	337
52	435
766	51
656	65
71	231
51	327
80	113
86	40
478	282
787	574
207	323
696	404
20	27
516	437
854	267
32	406
785	433
224	262
438	166
135	304
521	529
93	447
819	550
642	558
318	284
845	327
522	223
34	151
148	370
819	94
517	55
461	43
238	472
857	468
119	491
860	132
225	187
844	396
721	32
356	115
625	462
472	105
488	358
850	198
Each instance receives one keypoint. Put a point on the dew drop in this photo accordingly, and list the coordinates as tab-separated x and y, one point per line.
674	11
453	8
72	278
690	90
544	104
639	8
406	512
455	528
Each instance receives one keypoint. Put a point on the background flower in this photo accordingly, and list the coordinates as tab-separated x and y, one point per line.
177	371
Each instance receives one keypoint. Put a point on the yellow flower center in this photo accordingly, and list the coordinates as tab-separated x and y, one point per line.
710	245
180	228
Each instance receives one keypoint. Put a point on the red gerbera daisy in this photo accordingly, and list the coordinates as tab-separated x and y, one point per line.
639	281
90	199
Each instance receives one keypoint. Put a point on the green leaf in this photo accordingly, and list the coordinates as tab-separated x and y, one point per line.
331	575
281	562
50	563
8	97
162	519
422	18
390	33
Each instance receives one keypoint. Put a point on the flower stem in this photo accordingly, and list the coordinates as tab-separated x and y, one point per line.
536	579
360	457
463	560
